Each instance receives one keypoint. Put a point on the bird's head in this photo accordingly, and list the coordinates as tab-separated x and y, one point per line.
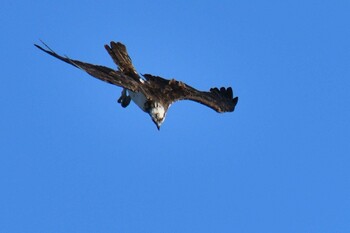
157	114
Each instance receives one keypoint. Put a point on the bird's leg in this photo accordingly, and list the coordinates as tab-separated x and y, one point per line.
122	95
124	99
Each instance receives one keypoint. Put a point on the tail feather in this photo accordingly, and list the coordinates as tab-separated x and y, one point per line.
121	58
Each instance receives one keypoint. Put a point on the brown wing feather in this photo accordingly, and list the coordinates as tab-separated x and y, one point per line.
100	72
221	100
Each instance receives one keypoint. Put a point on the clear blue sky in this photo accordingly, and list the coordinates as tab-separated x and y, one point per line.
72	160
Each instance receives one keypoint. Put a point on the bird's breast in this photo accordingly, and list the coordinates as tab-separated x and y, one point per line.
138	98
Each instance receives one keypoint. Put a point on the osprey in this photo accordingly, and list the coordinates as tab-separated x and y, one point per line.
152	94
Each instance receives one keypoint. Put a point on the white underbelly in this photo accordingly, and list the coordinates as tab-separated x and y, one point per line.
138	98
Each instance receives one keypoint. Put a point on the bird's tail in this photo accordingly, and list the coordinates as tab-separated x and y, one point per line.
121	58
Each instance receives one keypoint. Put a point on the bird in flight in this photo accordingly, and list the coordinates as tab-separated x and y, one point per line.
152	94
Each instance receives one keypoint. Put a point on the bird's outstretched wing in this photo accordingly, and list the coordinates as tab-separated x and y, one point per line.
156	88
103	73
221	100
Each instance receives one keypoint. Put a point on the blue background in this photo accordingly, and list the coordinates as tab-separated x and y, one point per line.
72	160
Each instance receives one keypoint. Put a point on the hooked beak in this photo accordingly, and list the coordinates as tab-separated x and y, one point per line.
158	125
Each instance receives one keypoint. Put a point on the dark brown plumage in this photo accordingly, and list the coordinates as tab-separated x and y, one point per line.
154	88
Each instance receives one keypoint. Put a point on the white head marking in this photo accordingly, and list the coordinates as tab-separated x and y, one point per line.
157	114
